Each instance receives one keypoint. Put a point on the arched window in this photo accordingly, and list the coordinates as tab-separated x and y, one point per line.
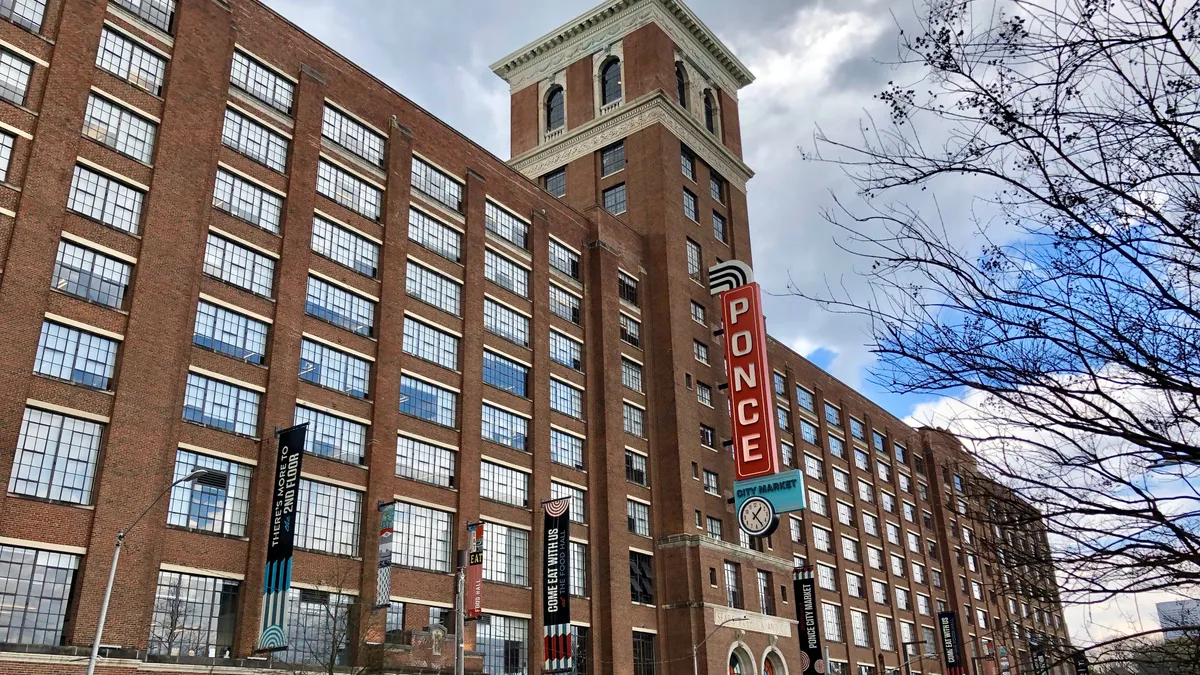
735	665
555	115
610	82
680	85
769	666
710	112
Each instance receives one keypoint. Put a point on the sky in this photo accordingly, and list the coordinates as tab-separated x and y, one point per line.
818	65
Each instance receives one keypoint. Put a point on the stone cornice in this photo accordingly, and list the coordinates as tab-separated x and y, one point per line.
725	548
652	108
609	22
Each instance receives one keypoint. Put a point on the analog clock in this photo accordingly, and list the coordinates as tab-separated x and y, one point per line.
757	517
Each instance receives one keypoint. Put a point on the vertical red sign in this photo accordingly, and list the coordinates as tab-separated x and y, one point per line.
754	448
473	602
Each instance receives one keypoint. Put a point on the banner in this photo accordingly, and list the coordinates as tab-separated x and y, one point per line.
1041	665
473	602
1081	663
556	585
952	653
804	589
272	635
383	575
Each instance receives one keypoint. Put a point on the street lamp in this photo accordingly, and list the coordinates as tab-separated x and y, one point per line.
696	647
919	655
112	570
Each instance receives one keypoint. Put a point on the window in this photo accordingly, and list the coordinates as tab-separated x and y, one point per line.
505	554
130	61
579	569
883	625
56	457
230	333
888	500
635	468
345	247
634	420
884	471
25	13
248	201
850	549
89	275
506	226
432	344
704	394
610	82
120	129
897	566
814	468
349	190
693	260
827	577
334	369
215	503
631	375
766	599
318	622
901	454
903	599
353	135
783	417
818	502
804	398
645	658
845	514
914	542
193	615
505	273
841	480
822	539
612	159
861	460
856	428
906	483
14	77
639	517
566	351
394	624
254	140
837	447
424	462
433	288
505	428
509	324
788	454
910	512
689	205
564	259
422	537
718	226
923	607
716	186
700	351
710	482
831	616
436	185
340	307
565	398
713	527
879	592
936	576
688	162
555	109
505	374
73	355
564	304
733	585
240	266
877	441
261	82
327	518
710	114
96	196
866	492
577	497
854	585
503	640
893	533
808	432
434	235
680	85
556	182
157	13
221	405
614	199
631	331
832	415
860	628
977	591
698	313
870	524
334	437
428	402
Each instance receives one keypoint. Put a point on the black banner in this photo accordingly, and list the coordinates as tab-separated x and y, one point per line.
804	590
556	587
1041	665
948	624
1081	663
278	576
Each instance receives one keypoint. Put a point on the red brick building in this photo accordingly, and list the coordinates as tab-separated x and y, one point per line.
213	226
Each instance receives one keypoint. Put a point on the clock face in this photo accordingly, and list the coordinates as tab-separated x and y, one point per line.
756	516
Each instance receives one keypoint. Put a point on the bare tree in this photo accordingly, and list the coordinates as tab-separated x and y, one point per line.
1072	333
330	631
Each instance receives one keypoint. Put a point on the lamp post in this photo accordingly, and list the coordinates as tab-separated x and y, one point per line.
696	647
112	570
919	655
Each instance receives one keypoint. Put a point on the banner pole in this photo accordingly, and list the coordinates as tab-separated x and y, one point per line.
460	626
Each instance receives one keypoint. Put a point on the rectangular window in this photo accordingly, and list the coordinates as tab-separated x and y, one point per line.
634	421
505	374
566	449
428	402
716	185
693	260
827	577
131	62
856	428
505	273
631	331
335	305
422	537
854	585
56	457
334	437
639	517
614	199
879	592
689	205
504	641
216	503
884	471
505	428
334	369
507	323
25	13
870	524
822	539
433	288
352	135
349	190
317	623
193	615
635	468
645	656
850	549
76	356
578	500
426	342
708	436
814	468
862	460
240	266
579	568
804	398
711	481
261	82
612	159
845	514
866	492
345	247
96	196
436	185
704	394
505	554
818	502
631	375
783	417
700	352
227	332
119	128
221	405
884	625
434	235
713	528
698	313
832	415
564	304
506	226
796	530
564	259
254	140
808	432
877	441
733	585
841	480
35	590
327	518
566	399
247	201
556	182
718	226
901	454
837	447
641	578
499	483
14	77
424	462
565	351
158	13
688	163
89	275
860	628
831	618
